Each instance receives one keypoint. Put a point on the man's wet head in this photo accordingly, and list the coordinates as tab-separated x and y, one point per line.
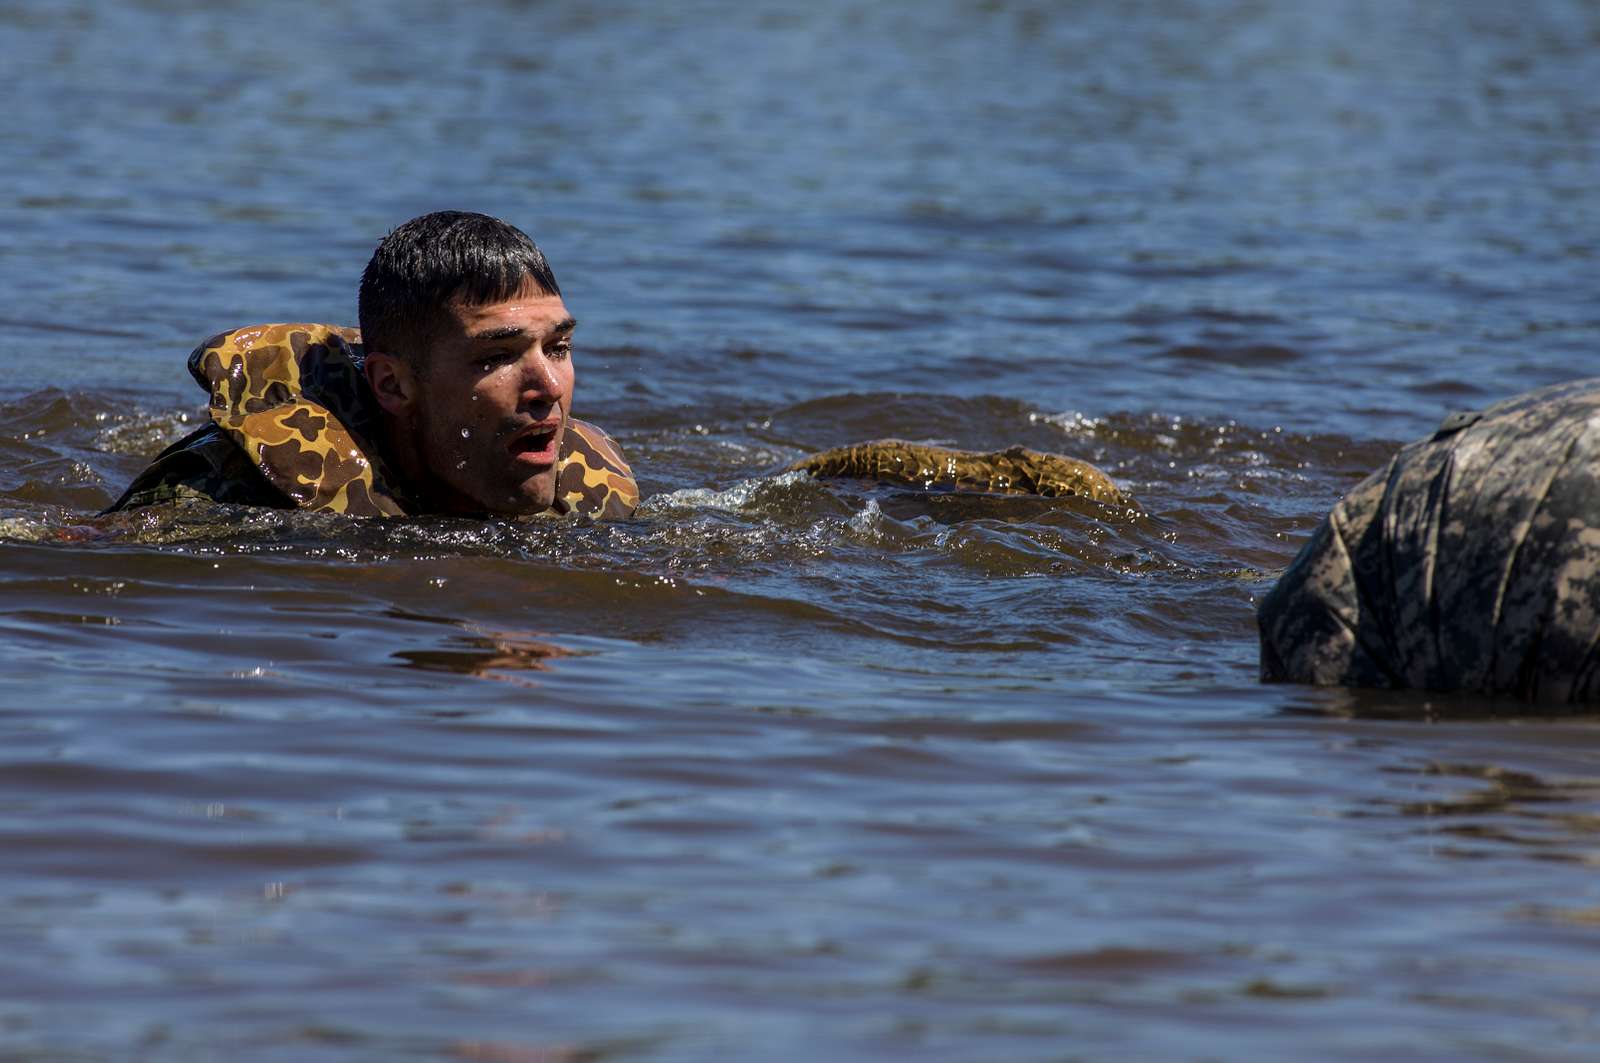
469	353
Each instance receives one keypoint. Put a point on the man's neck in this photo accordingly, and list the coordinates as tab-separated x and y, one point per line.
419	490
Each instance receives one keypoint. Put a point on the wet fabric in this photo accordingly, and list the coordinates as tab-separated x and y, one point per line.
1470	562
1016	470
293	425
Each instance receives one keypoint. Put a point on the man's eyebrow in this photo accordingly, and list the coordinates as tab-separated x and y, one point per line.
504	332
510	332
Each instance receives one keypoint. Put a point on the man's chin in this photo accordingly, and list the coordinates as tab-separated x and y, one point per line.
535	494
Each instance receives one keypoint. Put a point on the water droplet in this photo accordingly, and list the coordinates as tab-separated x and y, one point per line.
466	433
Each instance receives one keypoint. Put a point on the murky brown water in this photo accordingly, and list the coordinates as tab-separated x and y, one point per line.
778	769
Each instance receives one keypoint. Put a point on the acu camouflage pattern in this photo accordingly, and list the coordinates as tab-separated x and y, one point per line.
1470	562
293	425
1015	471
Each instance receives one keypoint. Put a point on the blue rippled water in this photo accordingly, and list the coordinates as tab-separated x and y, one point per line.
780	769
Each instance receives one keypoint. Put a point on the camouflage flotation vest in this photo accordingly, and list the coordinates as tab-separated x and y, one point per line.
1470	562
293	424
1015	471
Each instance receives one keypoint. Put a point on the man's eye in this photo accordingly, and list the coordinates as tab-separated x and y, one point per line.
559	351
498	358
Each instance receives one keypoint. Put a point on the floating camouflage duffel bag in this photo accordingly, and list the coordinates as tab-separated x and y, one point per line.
1470	562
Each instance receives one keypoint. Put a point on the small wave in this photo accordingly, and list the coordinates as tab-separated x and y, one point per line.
142	433
26	530
1245	356
736	499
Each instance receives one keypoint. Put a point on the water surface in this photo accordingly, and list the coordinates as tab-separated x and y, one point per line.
781	769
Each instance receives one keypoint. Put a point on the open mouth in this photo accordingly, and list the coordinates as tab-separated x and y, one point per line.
536	445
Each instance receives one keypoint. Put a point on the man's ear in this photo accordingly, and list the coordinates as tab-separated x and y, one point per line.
393	381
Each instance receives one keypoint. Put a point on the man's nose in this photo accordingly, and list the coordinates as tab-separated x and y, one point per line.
539	378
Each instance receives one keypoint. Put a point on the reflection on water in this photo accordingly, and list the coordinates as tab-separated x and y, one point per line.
784	768
484	652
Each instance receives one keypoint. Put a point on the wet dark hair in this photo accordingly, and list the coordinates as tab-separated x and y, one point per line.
429	262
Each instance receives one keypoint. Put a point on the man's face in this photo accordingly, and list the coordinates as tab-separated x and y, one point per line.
492	401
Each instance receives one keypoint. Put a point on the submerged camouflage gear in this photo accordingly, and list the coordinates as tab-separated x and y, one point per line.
293	425
1016	471
1470	562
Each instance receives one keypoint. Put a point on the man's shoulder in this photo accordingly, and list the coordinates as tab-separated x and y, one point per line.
291	426
254	368
595	478
205	463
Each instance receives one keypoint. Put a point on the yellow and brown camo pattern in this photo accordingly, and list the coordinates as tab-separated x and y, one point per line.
1014	471
290	404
